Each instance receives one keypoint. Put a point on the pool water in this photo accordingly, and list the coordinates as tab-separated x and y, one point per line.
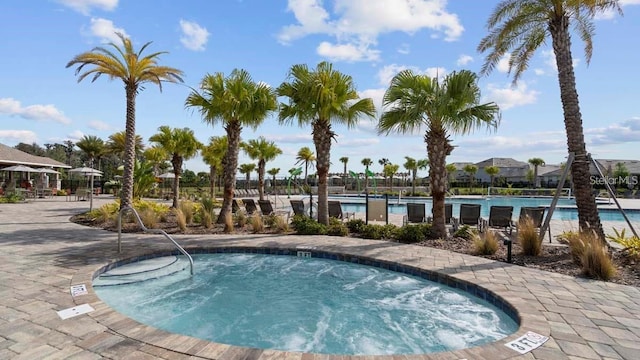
310	305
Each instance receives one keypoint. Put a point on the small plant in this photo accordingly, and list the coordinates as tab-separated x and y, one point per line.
181	219
207	219
410	234
631	244
187	208
528	238
281	225
149	218
61	193
378	232
595	259
240	219
257	225
465	232
575	243
270	220
307	226
355	225
486	243
337	228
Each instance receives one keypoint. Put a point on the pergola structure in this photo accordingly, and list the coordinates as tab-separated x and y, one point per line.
10	156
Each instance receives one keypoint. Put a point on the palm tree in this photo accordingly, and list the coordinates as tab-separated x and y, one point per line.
117	144
246	170
273	172
307	157
213	155
263	151
389	170
134	69
344	160
157	157
423	164
234	102
451	169
450	106
536	162
384	162
92	146
366	162
412	165
180	144
518	28
322	97
471	170
492	171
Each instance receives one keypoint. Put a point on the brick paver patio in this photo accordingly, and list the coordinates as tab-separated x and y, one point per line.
43	254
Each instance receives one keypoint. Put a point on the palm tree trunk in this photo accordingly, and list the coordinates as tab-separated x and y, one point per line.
322	136
233	130
261	166
129	150
176	161
588	217
413	182
212	182
438	147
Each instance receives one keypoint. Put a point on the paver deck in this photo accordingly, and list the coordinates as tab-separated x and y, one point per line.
43	254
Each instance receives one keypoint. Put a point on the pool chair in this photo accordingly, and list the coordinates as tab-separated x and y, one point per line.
250	206
298	207
335	211
469	215
267	209
448	213
415	213
235	207
500	217
534	213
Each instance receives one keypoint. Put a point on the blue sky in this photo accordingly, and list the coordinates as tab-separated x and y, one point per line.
371	40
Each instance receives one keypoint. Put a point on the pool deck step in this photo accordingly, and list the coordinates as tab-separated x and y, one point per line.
142	271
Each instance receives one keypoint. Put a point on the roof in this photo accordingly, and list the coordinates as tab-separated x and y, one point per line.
548	170
633	166
501	162
12	156
461	165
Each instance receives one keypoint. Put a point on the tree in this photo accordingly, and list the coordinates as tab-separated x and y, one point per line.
344	160
117	144
322	97
246	170
213	155
384	162
517	28
621	175
234	102
134	69
492	171
92	146
180	144
449	106
307	157
157	156
471	170
366	162
273	172
69	145
536	162
263	151
389	170
451	169
412	165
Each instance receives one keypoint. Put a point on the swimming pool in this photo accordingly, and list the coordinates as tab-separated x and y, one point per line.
312	305
565	209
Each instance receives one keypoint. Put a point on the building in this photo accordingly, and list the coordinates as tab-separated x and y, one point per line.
10	156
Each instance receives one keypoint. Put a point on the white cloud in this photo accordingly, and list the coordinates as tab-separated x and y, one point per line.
464	60
347	52
618	133
389	71
510	146
99	125
85	6
290	138
549	59
105	30
503	63
539	71
12	107
508	96
194	37
376	96
18	136
404	49
610	14
345	141
358	23
75	135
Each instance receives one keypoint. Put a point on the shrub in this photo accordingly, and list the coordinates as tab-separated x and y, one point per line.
307	226
149	218
355	225
631	244
337	228
595	259
270	220
257	225
465	232
61	193
410	234
207	219
181	220
281	225
486	243
240	218
576	245
378	232
528	238
187	208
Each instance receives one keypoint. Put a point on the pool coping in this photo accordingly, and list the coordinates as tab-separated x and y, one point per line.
529	317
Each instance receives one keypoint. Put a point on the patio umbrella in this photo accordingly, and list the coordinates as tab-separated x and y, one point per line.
47	171
20	168
87	171
167	175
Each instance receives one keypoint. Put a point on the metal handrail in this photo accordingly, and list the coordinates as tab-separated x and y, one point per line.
153	231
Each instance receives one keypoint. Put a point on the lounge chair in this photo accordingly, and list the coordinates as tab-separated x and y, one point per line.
250	206
415	213
500	217
235	207
267	209
448	213
298	207
470	215
335	211
534	213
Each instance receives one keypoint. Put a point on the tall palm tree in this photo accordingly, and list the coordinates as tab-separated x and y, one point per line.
246	170
442	107
307	157
180	144
344	160
412	165
366	162
134	69
262	150
389	170
423	164
536	162
492	171
384	162
234	102
471	170
213	155
157	157
273	172
117	144
520	27
92	146
451	169
321	97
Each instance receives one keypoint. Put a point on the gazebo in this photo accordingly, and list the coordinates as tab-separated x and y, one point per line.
11	157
